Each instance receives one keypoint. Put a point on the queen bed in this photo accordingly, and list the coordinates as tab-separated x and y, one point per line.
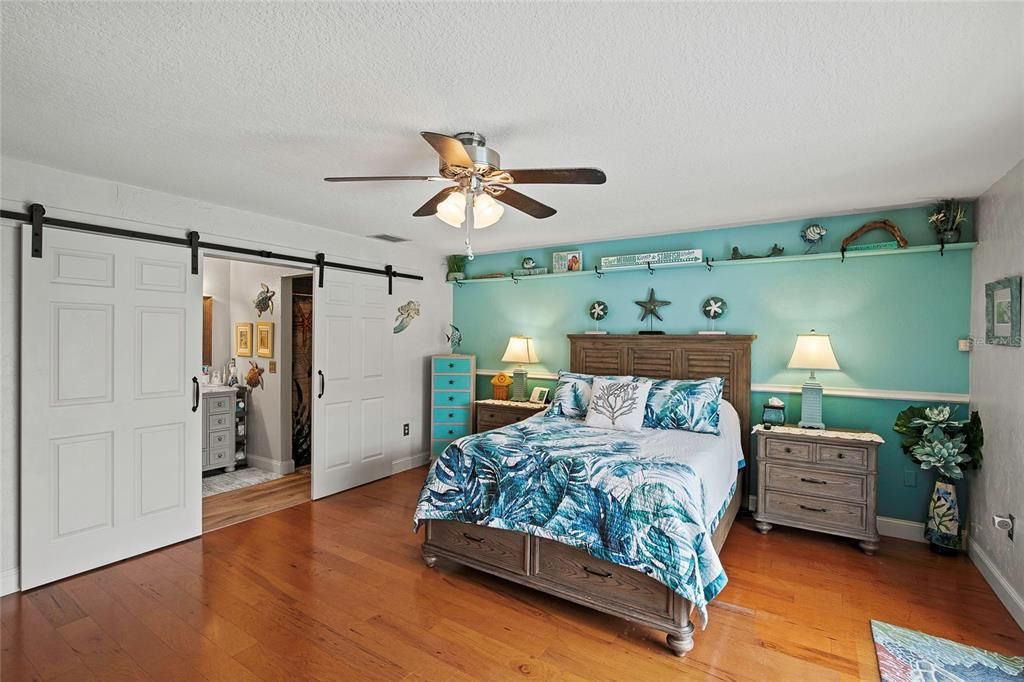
625	522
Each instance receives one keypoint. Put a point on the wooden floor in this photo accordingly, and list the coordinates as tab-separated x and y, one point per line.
336	590
247	503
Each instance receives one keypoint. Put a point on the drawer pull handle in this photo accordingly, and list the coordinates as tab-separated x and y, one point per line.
451	398
840	455
813	509
813	480
451	415
473	537
450	365
451	382
450	432
787	450
599	574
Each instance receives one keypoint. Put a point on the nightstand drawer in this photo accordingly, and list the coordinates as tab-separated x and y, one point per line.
450	431
459	398
789	449
451	365
843	456
494	419
817	482
815	511
452	382
453	416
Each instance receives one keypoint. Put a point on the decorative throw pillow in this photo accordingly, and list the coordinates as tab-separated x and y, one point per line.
616	404
572	395
683	404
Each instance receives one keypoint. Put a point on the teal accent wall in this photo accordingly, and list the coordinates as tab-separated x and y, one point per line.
894	320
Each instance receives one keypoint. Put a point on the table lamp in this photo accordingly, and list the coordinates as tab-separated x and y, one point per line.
813	351
520	350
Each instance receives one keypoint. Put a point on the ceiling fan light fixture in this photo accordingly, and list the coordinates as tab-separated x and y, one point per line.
486	211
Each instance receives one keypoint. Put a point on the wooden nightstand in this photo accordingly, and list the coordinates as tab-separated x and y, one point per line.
493	414
824	481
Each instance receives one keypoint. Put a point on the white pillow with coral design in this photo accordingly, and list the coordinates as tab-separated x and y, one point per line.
616	404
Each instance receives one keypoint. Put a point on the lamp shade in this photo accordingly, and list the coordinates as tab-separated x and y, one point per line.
486	211
813	351
520	349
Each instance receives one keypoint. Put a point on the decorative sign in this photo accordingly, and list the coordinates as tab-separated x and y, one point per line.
661	258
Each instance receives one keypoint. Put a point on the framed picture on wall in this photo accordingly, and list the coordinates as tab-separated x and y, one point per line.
265	339
243	339
567	261
1002	312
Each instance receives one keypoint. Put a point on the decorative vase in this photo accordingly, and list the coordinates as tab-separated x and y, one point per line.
951	236
943	528
456	276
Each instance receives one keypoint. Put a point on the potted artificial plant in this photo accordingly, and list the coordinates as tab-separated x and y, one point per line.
935	440
456	267
948	216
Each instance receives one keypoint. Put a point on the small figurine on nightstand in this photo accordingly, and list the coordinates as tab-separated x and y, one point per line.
774	413
500	384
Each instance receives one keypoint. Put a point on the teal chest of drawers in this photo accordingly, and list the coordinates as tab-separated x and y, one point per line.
452	393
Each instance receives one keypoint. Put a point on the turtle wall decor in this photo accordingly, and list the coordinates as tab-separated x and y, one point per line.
254	377
264	300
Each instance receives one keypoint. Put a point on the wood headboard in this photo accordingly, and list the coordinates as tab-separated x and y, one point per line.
672	357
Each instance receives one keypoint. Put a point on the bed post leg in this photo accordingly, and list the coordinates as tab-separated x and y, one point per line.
682	642
428	557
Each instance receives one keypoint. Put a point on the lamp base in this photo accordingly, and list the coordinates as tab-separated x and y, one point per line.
519	385
810	406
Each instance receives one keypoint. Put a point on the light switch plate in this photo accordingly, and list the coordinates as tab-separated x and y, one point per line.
273	366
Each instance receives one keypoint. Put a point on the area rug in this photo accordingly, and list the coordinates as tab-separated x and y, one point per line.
911	656
240	478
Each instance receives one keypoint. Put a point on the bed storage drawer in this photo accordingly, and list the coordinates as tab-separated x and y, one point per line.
818	512
563	566
817	482
501	548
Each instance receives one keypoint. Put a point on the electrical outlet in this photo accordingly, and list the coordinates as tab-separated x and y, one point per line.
405	429
910	478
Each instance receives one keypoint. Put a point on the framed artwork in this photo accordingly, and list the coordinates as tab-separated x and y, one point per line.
539	395
567	261
1002	312
265	339
243	339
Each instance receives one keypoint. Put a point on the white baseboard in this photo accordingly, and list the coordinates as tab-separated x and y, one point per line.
901	528
1010	598
10	581
411	462
267	464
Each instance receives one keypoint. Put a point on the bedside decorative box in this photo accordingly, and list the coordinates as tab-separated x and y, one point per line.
452	393
773	415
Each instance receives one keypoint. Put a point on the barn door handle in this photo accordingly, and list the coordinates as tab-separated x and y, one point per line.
195	394
600	574
321	394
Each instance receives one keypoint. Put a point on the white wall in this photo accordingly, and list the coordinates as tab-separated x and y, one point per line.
95	200
217	283
263	434
997	392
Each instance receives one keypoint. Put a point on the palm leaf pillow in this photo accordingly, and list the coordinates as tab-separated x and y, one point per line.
684	404
572	394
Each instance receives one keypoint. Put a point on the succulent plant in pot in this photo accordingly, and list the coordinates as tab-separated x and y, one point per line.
935	439
456	267
947	218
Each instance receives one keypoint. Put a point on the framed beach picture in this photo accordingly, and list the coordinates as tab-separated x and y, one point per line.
1002	312
243	339
567	261
265	339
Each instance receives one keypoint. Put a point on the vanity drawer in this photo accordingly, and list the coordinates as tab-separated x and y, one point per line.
452	382
451	365
564	566
455	398
788	449
502	548
453	416
219	456
219	421
815	511
221	439
817	482
450	431
843	456
220	403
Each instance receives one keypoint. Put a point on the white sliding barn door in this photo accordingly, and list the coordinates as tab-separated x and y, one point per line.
110	445
352	349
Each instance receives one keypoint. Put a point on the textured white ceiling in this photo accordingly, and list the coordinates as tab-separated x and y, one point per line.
701	114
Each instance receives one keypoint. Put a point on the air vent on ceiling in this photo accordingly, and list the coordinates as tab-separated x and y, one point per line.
394	239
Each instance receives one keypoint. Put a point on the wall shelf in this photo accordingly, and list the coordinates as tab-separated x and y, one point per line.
830	255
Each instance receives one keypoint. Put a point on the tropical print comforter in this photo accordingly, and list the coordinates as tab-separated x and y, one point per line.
590	488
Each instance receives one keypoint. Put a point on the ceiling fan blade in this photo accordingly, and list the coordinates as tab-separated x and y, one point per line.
524	203
449	149
430	208
379	178
559	176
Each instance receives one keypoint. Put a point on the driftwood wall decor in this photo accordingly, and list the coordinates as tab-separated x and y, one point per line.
886	225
